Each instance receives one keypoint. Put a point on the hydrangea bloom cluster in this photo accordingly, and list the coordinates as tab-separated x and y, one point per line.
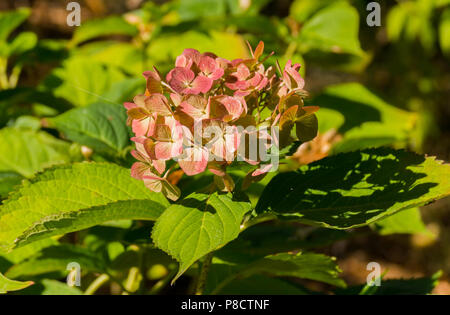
204	113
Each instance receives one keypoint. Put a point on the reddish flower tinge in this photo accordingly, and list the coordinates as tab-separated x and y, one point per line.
203	115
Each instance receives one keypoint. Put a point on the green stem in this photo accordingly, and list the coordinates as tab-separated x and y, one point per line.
292	47
96	284
161	284
133	277
14	77
4	82
201	282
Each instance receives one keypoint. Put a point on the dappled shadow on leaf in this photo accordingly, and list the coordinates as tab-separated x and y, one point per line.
200	204
348	189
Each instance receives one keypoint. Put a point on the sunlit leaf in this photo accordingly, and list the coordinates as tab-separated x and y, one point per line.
333	29
7	285
72	197
198	225
112	25
26	152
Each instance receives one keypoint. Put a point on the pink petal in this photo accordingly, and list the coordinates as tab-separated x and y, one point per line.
129	105
180	78
262	170
159	165
139	169
157	103
184	62
201	84
163	150
163	133
195	106
242	72
153	81
144	127
192	54
195	161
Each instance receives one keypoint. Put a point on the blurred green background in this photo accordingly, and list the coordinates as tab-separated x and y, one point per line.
376	86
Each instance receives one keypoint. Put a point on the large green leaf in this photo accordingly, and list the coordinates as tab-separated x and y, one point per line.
306	266
198	225
8	180
83	81
265	239
63	223
112	25
26	152
309	266
7	285
20	254
364	119
61	198
100	126
357	188
122	55
404	222
302	10
56	259
332	29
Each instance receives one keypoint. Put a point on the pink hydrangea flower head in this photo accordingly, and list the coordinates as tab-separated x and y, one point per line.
204	113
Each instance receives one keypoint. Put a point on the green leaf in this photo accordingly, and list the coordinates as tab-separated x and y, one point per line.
56	259
198	225
124	56
364	119
332	29
17	101
404	222
100	126
82	81
61	200
113	25
11	20
265	239
7	285
306	128
8	180
227	45
396	21
355	189
20	254
23	42
79	220
302	10
414	286
310	266
51	287
444	32
26	152
199	9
